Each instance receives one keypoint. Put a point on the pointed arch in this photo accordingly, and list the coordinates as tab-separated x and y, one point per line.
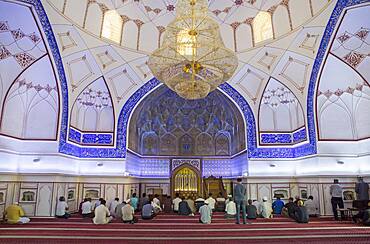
93	110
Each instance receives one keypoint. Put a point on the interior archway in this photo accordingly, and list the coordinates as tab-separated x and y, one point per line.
168	125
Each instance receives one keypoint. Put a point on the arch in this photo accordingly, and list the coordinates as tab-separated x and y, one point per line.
193	124
31	105
112	26
93	110
262	27
342	93
149	143
94	19
277	104
281	21
222	144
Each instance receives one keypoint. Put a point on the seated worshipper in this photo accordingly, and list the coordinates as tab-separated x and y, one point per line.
230	209
228	199
176	203
157	201
277	205
156	207
80	206
363	215
211	201
251	210
128	213
301	214
184	208
311	207
266	209
205	214
97	203
147	212
167	205
86	209
118	211
14	214
257	205
134	201
102	215
220	203
191	205
62	207
289	209
113	205
199	202
143	200
298	201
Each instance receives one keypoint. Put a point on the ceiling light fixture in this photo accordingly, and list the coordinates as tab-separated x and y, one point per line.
193	59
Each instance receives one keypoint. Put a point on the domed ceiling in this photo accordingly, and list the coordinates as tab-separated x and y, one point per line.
106	78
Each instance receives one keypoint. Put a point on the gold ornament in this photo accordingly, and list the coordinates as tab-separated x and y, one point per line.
193	59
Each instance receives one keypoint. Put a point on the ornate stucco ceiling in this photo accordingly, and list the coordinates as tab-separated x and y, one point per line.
101	75
288	57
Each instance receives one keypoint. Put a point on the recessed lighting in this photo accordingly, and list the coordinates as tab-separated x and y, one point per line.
340	162
272	165
36	160
99	164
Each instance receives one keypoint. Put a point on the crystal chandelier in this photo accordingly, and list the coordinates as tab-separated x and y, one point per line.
193	59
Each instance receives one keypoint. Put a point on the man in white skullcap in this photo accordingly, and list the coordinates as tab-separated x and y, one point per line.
14	214
266	208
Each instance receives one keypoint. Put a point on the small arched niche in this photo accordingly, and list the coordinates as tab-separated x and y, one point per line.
186	127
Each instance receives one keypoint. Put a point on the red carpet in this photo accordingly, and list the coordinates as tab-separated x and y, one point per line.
169	228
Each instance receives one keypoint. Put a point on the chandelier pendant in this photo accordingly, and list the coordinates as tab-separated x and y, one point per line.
193	60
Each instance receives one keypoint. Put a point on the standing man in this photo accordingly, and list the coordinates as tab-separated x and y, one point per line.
336	192
362	190
239	196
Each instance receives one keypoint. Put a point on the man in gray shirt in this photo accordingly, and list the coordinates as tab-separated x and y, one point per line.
336	192
239	196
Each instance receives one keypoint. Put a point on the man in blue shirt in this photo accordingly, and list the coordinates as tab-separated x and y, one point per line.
147	212
240	196
278	205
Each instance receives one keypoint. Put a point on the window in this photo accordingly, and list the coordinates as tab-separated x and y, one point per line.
262	27
112	26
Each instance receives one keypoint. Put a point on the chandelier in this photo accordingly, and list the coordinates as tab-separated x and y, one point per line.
193	59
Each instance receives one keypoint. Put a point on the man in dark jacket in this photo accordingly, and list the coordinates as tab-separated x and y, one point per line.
184	208
239	196
301	214
362	190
